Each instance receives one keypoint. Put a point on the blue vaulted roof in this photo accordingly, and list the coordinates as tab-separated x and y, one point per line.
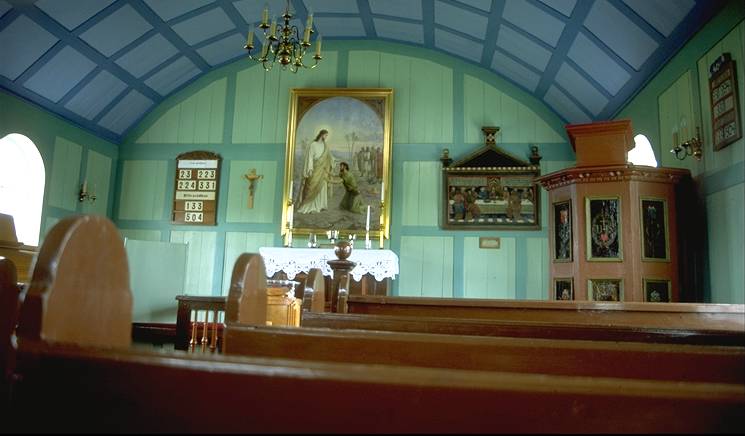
103	64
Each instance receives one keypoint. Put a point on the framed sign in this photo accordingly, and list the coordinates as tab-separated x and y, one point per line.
654	229
196	187
725	107
338	171
603	222
656	291
562	217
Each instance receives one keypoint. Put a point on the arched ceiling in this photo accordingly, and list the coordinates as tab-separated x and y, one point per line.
103	64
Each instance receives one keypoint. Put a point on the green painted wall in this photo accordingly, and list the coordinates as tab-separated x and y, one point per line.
240	112
71	155
680	92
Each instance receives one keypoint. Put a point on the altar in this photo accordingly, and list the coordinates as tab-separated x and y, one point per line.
371	276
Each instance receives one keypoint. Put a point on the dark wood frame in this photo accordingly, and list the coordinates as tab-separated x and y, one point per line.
196	155
724	65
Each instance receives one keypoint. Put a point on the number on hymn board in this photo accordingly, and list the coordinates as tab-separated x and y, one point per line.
193	205
193	217
184	174
187	185
206	174
207	185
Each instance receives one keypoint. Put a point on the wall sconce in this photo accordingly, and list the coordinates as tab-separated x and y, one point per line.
85	195
692	147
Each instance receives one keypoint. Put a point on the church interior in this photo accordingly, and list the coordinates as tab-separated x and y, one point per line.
372	216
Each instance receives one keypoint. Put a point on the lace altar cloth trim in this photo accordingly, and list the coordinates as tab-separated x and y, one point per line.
380	264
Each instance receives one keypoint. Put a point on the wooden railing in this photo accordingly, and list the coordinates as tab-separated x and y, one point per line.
199	322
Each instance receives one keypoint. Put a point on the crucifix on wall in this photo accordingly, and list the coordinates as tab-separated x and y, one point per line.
252	177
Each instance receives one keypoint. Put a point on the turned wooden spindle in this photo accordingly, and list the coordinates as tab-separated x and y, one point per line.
213	343
205	331
193	339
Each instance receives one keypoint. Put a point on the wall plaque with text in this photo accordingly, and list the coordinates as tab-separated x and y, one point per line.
725	108
196	187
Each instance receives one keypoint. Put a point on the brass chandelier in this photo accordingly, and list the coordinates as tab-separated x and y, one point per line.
282	43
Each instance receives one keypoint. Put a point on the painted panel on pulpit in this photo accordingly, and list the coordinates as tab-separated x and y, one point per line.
339	150
654	229
603	221
563	231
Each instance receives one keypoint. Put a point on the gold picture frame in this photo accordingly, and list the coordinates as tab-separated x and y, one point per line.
652	229
358	131
649	289
603	229
562	284
605	289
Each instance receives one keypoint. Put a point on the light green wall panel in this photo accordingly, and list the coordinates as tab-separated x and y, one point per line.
421	186
199	119
725	216
677	120
237	243
426	265
200	261
48	224
733	43
262	100
143	191
484	105
263	210
141	235
64	183
488	273
98	174
536	276
428	84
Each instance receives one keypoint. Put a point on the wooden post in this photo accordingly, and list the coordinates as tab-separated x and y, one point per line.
340	287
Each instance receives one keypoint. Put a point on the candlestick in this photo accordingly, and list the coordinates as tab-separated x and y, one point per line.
250	42
265	15
367	223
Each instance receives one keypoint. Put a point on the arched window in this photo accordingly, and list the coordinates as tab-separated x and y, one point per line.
642	153
22	180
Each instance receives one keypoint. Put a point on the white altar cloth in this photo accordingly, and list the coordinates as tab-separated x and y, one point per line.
381	264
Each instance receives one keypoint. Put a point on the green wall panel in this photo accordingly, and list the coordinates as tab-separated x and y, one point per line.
200	260
143	190
199	119
485	105
237	243
488	273
428	83
48	224
64	184
734	44
426	265
536	276
263	210
262	99
97	173
421	187
141	234
725	216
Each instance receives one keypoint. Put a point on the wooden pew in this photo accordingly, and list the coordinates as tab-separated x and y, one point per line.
524	329
69	382
721	317
527	355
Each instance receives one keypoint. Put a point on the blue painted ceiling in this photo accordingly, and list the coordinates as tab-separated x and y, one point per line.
103	64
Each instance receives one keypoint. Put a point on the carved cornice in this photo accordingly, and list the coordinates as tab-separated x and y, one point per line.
611	173
525	169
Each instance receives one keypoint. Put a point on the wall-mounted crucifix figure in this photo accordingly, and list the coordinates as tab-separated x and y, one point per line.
252	177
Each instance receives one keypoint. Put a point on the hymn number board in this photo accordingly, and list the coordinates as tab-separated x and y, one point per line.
196	187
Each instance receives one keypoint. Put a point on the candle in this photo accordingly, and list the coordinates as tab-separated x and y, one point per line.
250	42
273	30
306	37
265	49
85	185
367	224
290	190
289	216
318	46
382	192
265	15
309	23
